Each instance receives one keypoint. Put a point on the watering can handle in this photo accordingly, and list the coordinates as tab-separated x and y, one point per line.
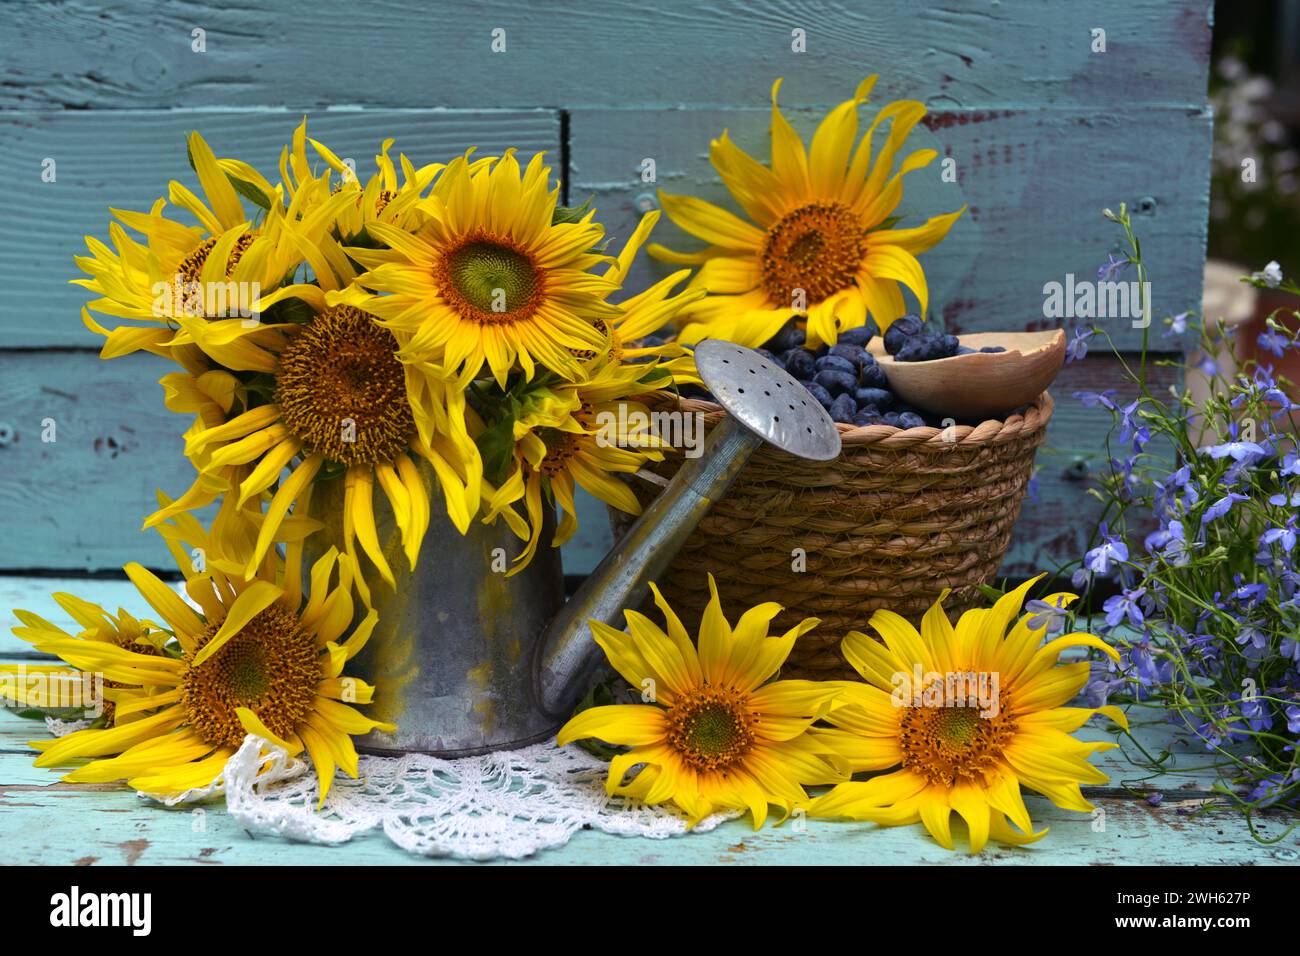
568	656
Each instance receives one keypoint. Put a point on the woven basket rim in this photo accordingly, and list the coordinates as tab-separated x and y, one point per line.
989	431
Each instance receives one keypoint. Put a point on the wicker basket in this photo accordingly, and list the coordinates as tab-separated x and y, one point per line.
897	517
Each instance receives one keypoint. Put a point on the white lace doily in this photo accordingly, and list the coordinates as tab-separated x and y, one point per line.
505	805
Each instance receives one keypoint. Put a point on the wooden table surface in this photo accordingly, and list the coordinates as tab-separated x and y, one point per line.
46	821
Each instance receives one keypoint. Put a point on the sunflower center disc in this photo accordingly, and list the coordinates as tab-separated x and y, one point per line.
949	744
271	667
489	280
817	248
711	729
191	267
958	725
342	389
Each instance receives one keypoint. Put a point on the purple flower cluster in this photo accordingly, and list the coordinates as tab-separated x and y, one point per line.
1206	607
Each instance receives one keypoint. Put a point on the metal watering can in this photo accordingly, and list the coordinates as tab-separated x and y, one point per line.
467	661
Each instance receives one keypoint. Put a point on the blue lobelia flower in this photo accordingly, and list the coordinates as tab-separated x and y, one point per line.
1077	348
1111	551
1112	268
1247	451
1293	718
1284	536
1221	507
1050	616
1128	420
1093	399
1125	606
1274	341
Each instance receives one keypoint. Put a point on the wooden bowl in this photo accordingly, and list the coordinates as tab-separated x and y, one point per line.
982	384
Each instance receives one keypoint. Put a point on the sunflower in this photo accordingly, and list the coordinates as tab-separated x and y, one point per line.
717	735
56	683
568	435
197	286
209	395
490	279
257	659
383	197
338	405
821	242
983	719
644	314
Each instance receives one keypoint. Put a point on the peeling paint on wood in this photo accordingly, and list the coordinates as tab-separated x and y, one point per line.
571	53
1043	132
84	825
125	158
1035	181
82	498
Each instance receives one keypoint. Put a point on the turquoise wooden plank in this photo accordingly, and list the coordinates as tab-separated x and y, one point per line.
1059	514
86	825
56	823
959	53
125	158
33	594
77	503
1035	179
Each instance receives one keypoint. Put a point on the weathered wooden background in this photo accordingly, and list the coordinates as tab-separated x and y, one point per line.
1044	132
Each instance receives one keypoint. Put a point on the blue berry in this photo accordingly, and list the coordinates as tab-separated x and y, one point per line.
836	362
799	362
928	346
900	331
993	348
851	353
916	349
819	392
890	418
788	338
878	397
867	416
910	420
873	376
769	356
836	381
859	336
843	409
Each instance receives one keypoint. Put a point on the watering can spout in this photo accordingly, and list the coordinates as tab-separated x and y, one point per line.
763	404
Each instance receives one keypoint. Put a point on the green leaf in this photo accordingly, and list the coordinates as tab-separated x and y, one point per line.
990	592
249	191
497	446
331	470
656	378
571	213
289	310
601	695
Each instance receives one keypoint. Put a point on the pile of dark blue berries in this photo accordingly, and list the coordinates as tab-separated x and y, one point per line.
908	341
846	378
